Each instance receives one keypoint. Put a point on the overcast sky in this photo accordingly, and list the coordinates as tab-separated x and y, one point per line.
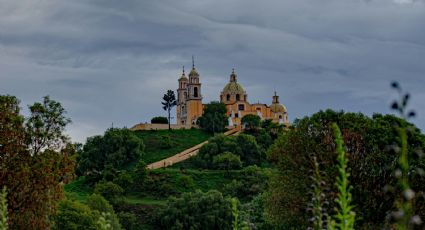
111	61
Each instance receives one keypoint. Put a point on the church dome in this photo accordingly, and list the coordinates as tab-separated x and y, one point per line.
193	73
278	108
233	88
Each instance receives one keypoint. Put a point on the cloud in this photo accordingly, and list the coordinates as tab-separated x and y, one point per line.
110	62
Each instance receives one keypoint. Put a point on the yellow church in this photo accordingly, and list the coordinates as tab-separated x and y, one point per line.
190	107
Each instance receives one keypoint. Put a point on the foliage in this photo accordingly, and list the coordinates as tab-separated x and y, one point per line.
35	161
3	209
250	182
251	121
98	203
169	101
128	220
109	190
124	179
344	218
117	147
197	210
140	172
214	118
317	205
227	161
405	215
371	161
73	215
159	120
252	214
235	214
244	146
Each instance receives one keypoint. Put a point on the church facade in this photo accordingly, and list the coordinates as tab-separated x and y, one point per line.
233	95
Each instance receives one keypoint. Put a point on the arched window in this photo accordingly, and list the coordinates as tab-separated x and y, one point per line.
228	97
280	116
185	95
195	92
238	97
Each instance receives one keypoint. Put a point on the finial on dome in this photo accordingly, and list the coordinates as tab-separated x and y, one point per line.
193	62
233	70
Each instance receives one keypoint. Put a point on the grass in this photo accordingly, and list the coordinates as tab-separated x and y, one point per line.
78	189
133	199
180	140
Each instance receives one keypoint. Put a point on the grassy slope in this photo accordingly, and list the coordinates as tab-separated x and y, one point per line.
180	140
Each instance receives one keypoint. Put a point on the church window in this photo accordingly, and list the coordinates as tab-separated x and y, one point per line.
280	116
258	108
195	92
237	115
185	95
241	107
238	97
228	97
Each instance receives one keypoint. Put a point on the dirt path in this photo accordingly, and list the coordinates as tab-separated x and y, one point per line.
184	155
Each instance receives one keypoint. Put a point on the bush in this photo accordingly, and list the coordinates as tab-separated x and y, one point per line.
214	118
128	220
244	146
159	120
98	203
109	190
124	179
227	161
196	210
75	215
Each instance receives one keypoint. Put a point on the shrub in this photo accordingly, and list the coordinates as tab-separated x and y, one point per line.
75	215
128	220
227	161
109	190
197	210
124	179
159	120
98	203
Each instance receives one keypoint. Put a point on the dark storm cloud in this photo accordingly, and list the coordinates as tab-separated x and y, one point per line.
111	61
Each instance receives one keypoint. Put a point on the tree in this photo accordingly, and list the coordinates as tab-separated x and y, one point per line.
227	161
243	145
169	101
117	148
251	121
159	120
46	125
214	118
197	210
36	161
371	160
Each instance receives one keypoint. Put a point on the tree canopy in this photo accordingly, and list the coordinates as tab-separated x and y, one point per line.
168	102
251	121
197	210
214	119
36	159
117	147
372	161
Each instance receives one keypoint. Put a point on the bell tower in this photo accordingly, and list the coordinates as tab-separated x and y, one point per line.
181	100
194	99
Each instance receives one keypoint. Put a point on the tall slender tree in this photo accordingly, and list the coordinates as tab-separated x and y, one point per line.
169	101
